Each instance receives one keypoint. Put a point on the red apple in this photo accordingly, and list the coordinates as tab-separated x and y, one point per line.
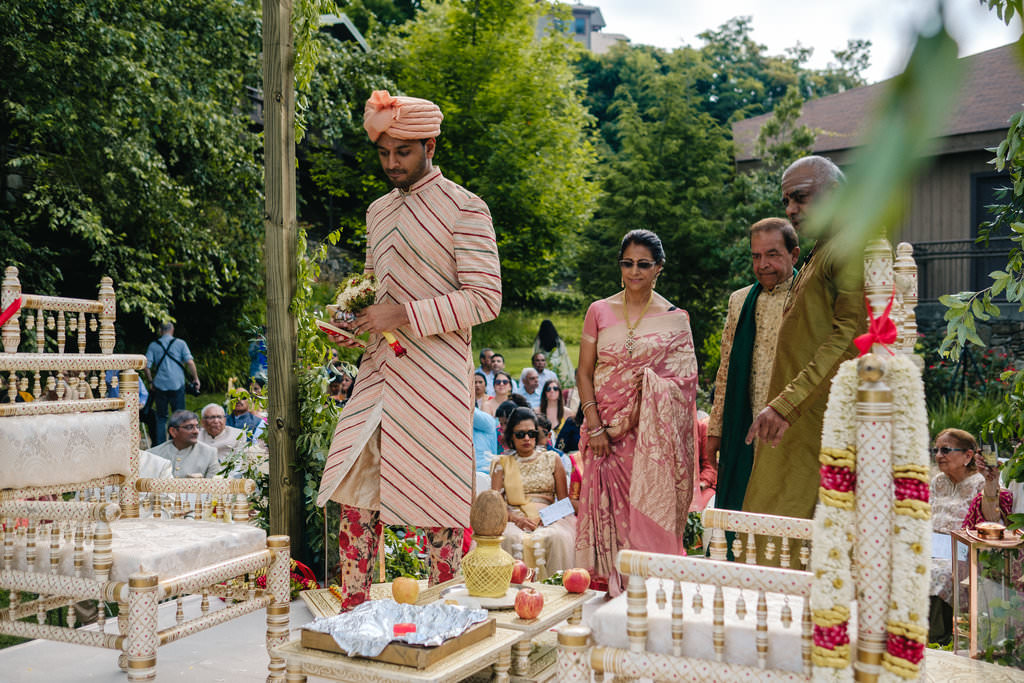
405	590
576	580
529	603
520	572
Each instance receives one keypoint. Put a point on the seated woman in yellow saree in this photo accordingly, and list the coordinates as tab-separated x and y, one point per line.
532	478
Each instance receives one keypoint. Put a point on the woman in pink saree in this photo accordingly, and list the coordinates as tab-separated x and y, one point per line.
637	382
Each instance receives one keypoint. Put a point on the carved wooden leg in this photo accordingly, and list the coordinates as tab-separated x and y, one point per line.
295	674
521	658
572	654
142	638
501	666
278	611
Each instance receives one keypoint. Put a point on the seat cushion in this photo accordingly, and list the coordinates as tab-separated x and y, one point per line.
48	450
167	547
608	624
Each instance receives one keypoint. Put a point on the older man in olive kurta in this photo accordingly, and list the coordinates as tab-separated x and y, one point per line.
824	312
402	452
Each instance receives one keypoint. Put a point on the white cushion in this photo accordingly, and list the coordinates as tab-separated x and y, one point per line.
608	624
169	547
44	450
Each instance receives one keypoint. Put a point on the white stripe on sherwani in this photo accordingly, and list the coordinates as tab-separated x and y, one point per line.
433	249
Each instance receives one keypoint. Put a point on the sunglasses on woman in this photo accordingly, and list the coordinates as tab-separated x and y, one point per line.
626	264
946	450
554	388
501	381
531	434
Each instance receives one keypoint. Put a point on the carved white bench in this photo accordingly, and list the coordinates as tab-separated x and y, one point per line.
70	499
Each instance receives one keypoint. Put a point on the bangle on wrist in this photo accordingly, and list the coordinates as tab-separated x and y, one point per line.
597	432
587	404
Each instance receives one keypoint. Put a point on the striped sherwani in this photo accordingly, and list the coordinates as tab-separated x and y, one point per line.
432	249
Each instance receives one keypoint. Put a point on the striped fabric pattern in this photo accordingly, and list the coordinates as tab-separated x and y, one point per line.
433	249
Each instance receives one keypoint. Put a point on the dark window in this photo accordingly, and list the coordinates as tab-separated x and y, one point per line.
985	190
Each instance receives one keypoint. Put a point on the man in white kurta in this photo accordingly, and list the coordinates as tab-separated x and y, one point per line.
402	452
215	432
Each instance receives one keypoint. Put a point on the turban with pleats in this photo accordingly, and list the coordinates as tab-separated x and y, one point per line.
405	118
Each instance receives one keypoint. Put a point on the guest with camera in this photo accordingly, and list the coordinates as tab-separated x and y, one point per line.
166	360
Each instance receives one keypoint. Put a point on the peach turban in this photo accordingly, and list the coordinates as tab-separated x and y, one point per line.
405	118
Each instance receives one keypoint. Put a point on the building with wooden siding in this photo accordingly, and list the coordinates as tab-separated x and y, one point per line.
947	205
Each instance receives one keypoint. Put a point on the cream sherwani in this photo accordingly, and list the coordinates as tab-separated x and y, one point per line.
432	249
228	441
768	316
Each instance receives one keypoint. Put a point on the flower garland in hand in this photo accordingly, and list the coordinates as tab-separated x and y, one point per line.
355	294
835	527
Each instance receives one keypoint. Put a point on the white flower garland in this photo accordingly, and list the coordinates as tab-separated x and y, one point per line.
835	528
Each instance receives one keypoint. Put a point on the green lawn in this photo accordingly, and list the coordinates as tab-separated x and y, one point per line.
518	357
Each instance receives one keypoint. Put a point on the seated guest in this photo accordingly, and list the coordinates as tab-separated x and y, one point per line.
187	456
539	362
501	415
568	438
544	441
530	388
993	503
952	491
707	477
498	365
241	416
485	369
552	404
480	397
215	432
341	379
531	479
485	439
502	391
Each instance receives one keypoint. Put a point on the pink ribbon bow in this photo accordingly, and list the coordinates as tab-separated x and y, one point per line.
10	311
881	330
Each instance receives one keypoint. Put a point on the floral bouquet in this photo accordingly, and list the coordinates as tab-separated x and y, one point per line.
355	294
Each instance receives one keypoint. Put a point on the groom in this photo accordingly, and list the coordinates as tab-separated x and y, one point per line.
402	452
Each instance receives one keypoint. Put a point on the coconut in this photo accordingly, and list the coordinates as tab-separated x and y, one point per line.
488	515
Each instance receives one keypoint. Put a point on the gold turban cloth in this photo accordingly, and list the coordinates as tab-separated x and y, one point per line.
405	118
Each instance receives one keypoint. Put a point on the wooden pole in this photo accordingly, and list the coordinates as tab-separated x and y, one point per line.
280	262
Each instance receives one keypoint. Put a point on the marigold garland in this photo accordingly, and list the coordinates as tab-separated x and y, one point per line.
835	523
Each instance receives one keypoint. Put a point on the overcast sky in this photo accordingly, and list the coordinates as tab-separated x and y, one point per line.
824	25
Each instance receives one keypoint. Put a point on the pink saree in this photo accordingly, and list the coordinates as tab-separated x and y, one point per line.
639	496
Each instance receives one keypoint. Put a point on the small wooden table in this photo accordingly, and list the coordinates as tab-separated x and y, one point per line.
493	650
559	605
974	547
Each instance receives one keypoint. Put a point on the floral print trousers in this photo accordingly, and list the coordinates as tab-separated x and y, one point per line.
359	539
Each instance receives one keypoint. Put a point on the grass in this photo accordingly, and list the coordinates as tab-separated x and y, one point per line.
519	357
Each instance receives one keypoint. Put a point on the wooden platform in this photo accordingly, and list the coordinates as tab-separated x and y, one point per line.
235	652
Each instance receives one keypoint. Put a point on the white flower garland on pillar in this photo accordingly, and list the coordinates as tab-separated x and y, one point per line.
833	590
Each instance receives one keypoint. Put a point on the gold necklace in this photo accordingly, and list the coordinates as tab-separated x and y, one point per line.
631	329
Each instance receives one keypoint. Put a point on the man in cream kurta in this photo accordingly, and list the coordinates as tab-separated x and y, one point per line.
774	251
823	313
402	452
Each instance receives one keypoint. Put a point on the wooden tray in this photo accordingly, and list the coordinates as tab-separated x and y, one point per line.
404	654
322	602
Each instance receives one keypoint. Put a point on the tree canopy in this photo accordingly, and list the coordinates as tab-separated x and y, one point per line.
515	130
127	125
